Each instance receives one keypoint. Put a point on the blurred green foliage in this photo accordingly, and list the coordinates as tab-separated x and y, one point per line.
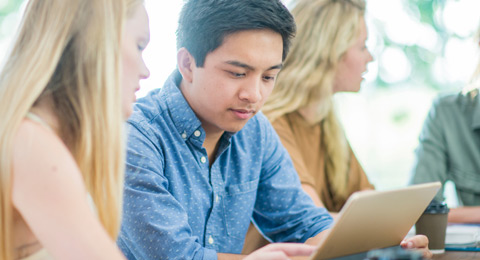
430	14
8	6
420	58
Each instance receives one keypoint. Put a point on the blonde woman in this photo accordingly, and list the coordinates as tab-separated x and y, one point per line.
327	56
449	148
65	92
61	133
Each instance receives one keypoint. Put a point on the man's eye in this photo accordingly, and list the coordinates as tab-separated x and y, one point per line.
237	75
268	78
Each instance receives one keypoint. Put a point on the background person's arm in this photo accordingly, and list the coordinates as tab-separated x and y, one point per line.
49	193
431	154
469	215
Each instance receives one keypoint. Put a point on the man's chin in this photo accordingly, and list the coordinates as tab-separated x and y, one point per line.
235	127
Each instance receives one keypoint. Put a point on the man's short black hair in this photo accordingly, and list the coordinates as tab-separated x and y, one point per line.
204	24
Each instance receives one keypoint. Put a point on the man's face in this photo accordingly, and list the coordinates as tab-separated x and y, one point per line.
235	80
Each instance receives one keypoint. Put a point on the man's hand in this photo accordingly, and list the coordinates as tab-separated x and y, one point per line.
418	242
281	251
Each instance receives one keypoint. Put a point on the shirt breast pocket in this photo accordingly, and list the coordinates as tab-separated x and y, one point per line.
238	206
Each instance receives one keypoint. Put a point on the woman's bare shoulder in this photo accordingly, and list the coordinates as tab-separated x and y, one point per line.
39	154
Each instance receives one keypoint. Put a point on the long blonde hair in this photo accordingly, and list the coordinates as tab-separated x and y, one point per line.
69	51
326	29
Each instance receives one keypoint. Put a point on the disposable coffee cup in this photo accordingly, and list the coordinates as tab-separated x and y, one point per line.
433	224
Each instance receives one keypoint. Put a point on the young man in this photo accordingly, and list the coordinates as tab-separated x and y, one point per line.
202	161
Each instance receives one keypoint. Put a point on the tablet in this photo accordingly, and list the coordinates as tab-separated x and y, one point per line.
375	219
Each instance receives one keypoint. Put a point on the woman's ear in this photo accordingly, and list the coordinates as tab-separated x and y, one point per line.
186	64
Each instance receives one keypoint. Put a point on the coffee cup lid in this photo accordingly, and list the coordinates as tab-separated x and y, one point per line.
437	207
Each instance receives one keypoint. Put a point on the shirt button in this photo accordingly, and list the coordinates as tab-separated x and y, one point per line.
210	240
203	159
217	199
184	135
197	133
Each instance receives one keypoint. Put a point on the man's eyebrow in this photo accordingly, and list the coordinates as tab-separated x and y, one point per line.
276	67
240	64
248	67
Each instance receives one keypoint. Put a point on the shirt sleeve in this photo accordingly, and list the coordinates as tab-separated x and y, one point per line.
283	211
154	225
431	154
287	138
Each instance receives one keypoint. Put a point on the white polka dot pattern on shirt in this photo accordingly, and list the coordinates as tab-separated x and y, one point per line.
176	204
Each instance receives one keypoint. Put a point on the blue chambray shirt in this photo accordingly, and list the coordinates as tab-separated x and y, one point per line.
176	206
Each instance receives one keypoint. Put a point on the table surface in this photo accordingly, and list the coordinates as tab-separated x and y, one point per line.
456	255
449	255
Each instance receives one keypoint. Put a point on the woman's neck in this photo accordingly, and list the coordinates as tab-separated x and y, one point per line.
311	114
44	109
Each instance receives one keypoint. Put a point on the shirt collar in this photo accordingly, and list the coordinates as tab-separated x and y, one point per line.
476	109
180	111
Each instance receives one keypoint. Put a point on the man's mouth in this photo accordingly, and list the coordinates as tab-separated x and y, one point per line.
243	113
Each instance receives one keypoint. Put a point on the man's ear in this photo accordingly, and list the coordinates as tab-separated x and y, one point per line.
186	64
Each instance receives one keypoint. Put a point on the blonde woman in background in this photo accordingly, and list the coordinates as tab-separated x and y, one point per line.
65	91
449	148
328	55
